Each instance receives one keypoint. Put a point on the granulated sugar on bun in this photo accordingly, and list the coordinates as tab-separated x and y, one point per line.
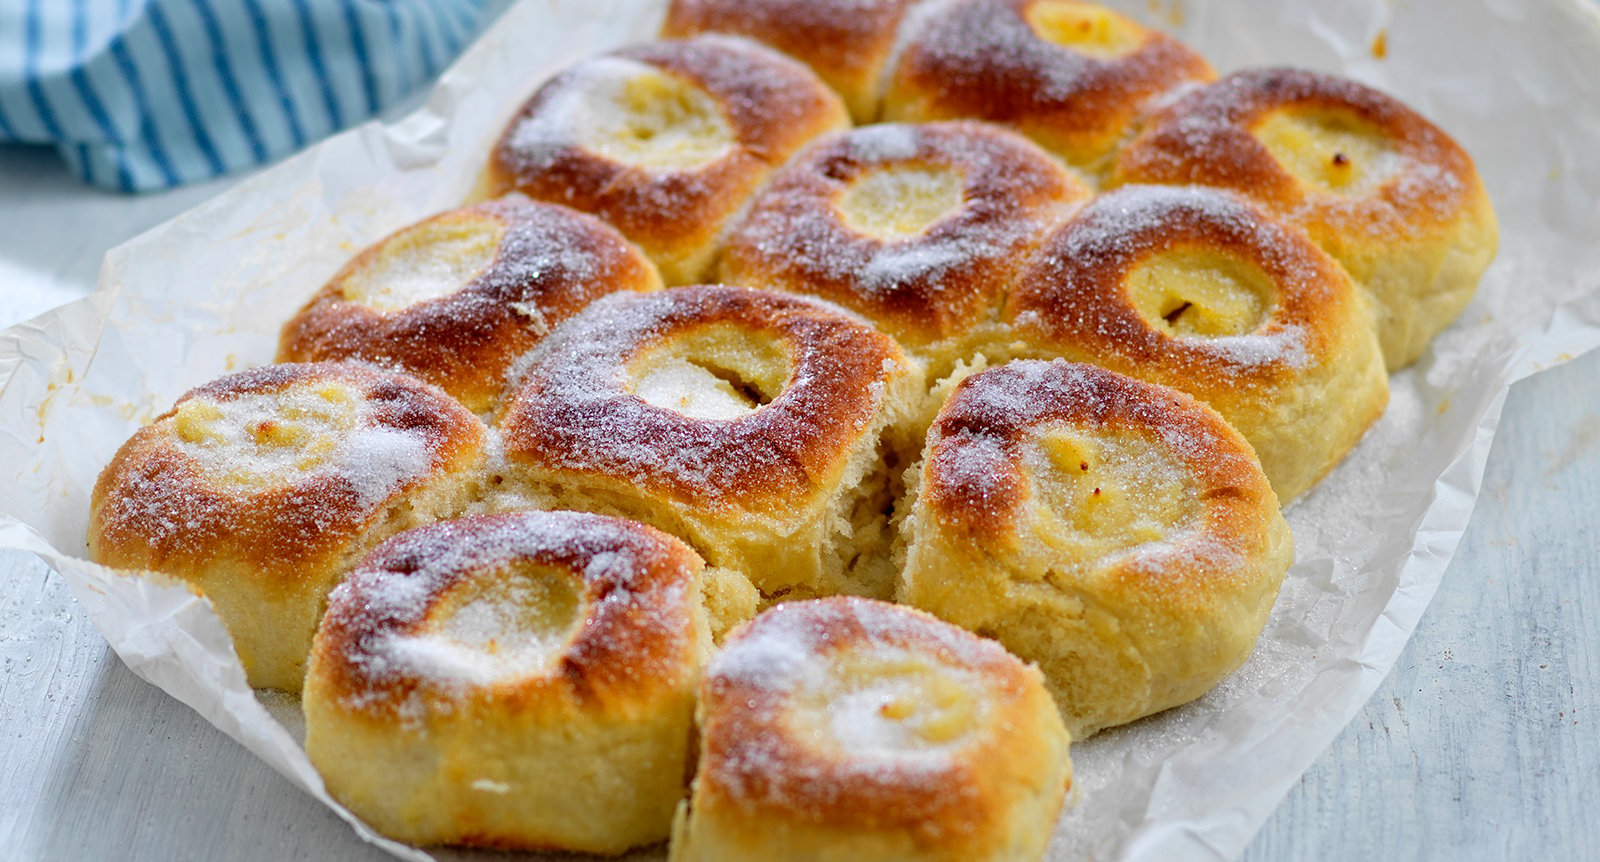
760	427
262	488
455	298
918	227
851	729
1116	533
520	682
665	140
846	42
1203	291
1385	192
1072	76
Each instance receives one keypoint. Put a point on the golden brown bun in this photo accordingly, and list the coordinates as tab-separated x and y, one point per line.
848	730
846	42
920	228
1386	193
757	426
1117	533
518	682
456	298
262	489
666	141
1202	291
1072	76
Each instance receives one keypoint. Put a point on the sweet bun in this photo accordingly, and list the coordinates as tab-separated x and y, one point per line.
666	141
456	298
263	488
851	729
762	428
1117	533
846	42
1072	76
919	228
1386	193
1202	291
519	682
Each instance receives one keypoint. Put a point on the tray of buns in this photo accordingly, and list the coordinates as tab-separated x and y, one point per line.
958	429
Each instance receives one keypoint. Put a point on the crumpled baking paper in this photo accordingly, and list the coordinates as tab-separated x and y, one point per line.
205	293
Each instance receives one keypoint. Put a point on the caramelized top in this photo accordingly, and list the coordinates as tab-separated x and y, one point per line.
918	227
280	467
1072	76
536	610
855	713
713	397
845	41
1191	287
456	298
1011	441
665	138
1311	147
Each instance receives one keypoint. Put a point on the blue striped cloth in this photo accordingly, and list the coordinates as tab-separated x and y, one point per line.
149	94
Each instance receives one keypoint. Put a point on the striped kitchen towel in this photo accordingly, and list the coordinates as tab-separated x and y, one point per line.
148	94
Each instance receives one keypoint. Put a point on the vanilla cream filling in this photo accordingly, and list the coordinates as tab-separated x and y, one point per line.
901	201
427	261
1084	28
1329	150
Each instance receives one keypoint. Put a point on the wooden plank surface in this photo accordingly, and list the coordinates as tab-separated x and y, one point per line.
1483	743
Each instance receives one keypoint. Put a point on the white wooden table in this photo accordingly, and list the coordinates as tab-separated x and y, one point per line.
1480	745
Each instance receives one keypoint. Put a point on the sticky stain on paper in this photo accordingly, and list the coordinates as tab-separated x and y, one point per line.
1169	11
1585	437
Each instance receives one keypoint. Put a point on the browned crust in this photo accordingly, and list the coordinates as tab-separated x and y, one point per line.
153	508
636	641
1074	104
993	414
773	104
794	239
847	47
464	342
753	763
1072	296
569	411
1206	138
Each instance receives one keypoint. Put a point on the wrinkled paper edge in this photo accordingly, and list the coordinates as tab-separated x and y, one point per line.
165	281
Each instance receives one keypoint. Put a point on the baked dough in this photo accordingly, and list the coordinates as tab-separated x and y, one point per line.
846	42
849	729
920	228
1119	534
454	299
1072	76
1385	192
262	488
518	682
1202	291
762	428
666	140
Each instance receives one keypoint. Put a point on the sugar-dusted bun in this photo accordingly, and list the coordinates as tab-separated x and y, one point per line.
846	42
665	140
456	298
520	682
1072	76
1201	291
1120	534
918	227
262	488
850	730
1386	193
762	428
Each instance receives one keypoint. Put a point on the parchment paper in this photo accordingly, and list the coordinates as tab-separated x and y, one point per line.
1514	81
